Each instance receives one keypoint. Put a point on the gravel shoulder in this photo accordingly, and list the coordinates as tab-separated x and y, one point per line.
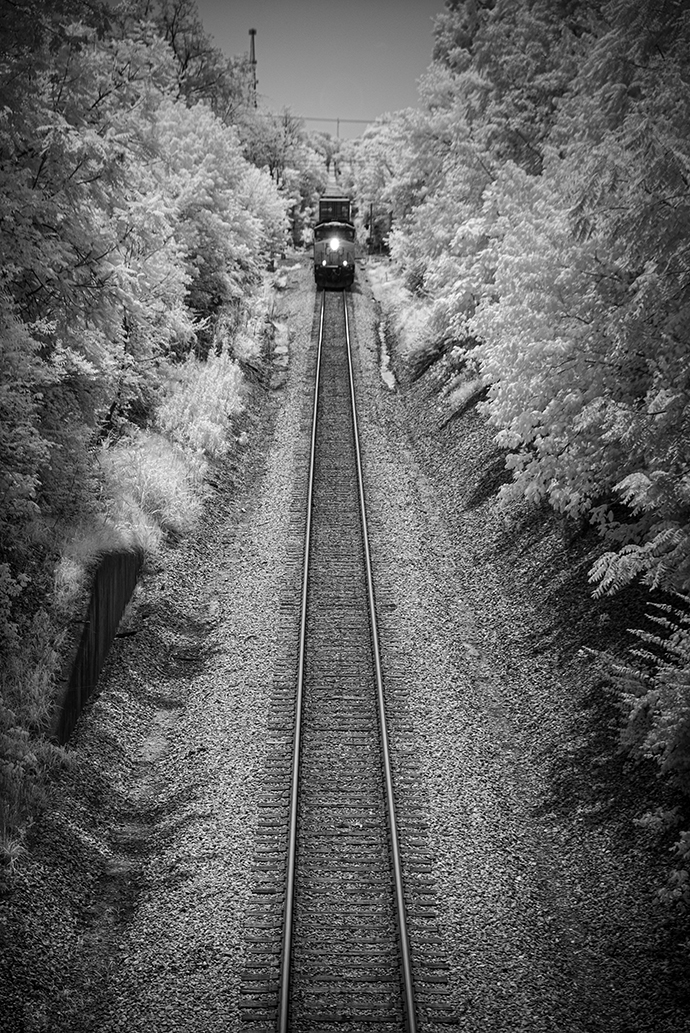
129	911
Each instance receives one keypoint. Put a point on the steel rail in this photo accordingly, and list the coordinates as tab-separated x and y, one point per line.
411	1019
284	986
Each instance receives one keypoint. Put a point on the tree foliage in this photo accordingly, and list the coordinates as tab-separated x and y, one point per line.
655	689
540	203
131	215
541	206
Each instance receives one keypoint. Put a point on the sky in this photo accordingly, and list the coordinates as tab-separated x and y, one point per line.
330	59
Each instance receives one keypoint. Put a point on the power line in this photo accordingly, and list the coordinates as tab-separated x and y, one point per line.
313	118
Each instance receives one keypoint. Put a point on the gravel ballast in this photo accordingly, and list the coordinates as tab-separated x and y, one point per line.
129	910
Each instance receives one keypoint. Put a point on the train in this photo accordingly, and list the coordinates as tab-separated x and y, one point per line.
334	242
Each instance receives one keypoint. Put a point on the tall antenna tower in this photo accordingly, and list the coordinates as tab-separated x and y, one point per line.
252	62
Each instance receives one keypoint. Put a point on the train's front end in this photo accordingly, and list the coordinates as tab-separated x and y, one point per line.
334	255
334	243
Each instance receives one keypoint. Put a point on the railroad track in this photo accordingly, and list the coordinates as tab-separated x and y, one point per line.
328	944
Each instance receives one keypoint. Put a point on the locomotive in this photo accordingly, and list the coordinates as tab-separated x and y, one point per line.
334	241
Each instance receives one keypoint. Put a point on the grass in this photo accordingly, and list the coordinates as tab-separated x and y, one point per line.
26	756
153	488
462	393
409	318
201	403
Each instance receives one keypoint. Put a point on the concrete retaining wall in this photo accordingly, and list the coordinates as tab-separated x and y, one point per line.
113	584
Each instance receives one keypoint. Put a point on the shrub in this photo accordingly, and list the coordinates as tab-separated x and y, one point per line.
152	487
408	316
26	681
207	394
463	393
656	698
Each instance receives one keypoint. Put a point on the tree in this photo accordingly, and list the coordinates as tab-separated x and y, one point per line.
596	250
229	216
202	72
130	218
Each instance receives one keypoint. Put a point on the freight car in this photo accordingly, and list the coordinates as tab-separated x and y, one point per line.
334	242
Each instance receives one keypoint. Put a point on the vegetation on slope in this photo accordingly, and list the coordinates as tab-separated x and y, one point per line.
144	194
540	218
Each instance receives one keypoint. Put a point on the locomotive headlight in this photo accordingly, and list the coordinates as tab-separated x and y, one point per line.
334	243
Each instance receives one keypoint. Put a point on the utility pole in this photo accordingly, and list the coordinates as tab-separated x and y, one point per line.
252	62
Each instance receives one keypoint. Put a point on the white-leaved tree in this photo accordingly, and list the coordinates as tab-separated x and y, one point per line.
544	216
130	215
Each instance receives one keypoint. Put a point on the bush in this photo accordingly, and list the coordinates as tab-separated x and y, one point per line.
26	697
656	698
409	317
152	488
197	413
